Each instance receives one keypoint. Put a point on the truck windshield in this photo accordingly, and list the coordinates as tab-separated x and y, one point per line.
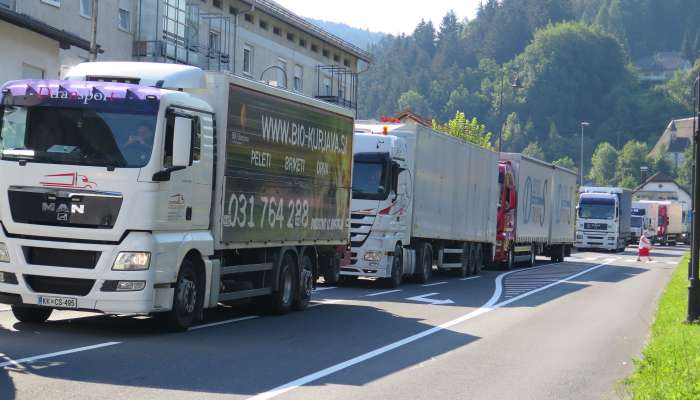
368	180
77	136
636	222
596	208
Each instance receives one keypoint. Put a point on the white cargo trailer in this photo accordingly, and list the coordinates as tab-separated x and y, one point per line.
419	197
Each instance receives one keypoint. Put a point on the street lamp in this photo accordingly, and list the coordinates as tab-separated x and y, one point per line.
693	276
584	124
515	85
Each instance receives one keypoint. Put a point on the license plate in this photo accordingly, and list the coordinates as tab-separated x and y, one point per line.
62	302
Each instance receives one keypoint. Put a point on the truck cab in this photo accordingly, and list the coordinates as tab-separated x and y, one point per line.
507	206
381	203
603	219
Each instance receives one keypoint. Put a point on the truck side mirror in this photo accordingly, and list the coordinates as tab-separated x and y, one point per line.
182	142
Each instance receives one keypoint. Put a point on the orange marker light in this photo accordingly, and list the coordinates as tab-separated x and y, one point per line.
385	130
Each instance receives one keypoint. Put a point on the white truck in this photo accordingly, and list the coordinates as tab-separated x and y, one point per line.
540	219
670	225
644	219
604	215
160	188
420	198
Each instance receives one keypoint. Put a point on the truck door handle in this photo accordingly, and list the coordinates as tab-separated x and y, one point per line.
188	214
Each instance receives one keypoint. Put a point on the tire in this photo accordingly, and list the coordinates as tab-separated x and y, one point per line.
466	260
305	284
426	263
331	274
558	254
510	262
187	299
394	280
31	315
533	256
478	259
280	302
472	260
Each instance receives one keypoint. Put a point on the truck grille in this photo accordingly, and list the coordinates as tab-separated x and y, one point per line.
61	257
595	226
55	285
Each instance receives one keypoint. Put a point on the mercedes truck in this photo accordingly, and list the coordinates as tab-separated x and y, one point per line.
162	189
604	215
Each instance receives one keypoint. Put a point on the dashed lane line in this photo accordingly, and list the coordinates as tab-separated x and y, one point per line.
18	363
470	278
382	293
435	284
489	306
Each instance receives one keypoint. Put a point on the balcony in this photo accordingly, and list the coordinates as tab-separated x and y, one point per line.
337	85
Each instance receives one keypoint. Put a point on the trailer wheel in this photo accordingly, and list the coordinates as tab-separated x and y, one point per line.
306	284
463	271
426	263
186	299
510	263
394	280
280	302
331	274
32	315
478	259
533	256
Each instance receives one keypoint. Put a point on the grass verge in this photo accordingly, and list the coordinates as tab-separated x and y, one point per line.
670	366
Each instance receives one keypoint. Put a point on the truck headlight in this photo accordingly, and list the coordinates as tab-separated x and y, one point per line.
128	261
4	253
373	256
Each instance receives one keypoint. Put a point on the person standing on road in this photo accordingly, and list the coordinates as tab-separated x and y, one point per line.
644	247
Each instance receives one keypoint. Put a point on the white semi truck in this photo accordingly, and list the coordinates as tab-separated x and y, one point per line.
644	219
420	198
159	188
604	215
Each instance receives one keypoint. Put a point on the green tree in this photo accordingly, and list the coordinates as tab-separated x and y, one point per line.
534	150
603	165
566	162
632	157
414	101
685	170
470	130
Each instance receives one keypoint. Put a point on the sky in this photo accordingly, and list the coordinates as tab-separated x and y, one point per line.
388	16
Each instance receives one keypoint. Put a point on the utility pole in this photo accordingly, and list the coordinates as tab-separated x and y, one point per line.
694	278
93	37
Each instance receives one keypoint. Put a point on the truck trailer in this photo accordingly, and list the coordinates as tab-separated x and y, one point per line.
419	198
604	215
162	189
670	225
644	218
536	214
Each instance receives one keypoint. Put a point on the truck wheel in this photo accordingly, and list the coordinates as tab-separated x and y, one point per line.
394	280
280	302
426	263
306	284
33	315
478	259
533	256
186	299
510	262
331	274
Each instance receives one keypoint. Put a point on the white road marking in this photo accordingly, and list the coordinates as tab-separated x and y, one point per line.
434	284
324	302
228	321
424	299
382	293
470	278
487	307
17	363
320	289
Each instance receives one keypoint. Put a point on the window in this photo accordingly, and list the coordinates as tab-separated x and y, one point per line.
124	20
55	3
32	72
282	74
327	86
326	53
86	8
314	48
214	41
298	78
346	62
248	59
232	10
248	18
290	36
336	58
217	4
302	42
277	31
263	24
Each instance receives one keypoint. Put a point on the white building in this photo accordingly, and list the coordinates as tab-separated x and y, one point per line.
662	187
259	39
31	48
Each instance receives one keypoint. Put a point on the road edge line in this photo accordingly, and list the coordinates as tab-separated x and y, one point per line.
21	361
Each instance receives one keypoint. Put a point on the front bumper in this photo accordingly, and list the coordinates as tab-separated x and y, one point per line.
86	285
361	267
602	240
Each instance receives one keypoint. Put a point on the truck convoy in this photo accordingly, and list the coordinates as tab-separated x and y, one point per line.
644	218
159	188
537	214
604	215
420	197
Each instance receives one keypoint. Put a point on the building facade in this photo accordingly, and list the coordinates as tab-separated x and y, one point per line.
662	187
255	38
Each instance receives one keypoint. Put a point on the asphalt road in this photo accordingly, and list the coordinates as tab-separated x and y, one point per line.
568	330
